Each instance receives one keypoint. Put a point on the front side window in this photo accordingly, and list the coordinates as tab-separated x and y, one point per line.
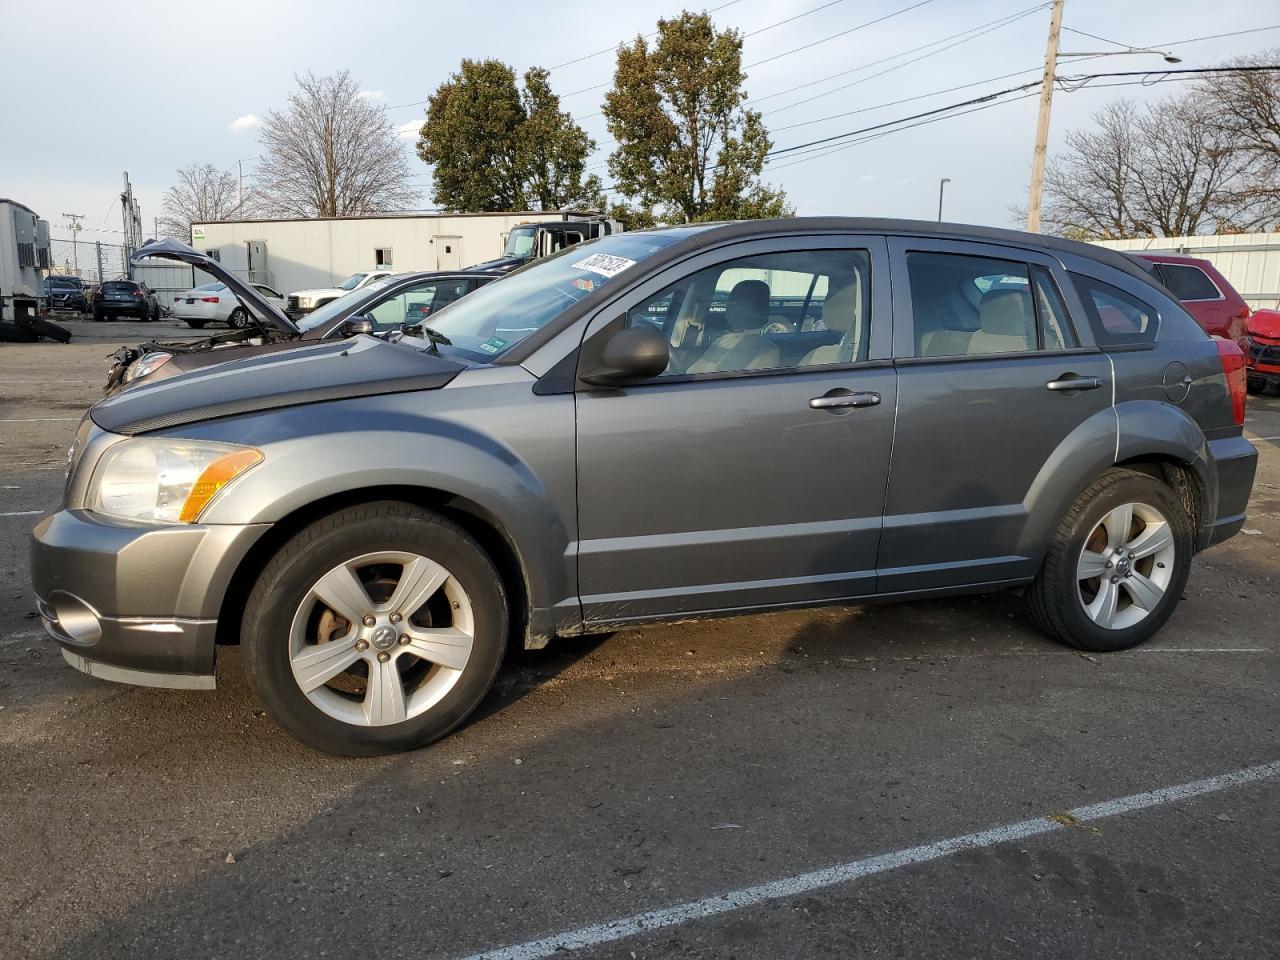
772	311
1188	282
1118	318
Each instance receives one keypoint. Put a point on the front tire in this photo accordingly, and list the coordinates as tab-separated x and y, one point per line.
195	324
1117	565
377	629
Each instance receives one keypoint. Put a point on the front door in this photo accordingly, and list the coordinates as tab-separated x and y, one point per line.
753	471
992	378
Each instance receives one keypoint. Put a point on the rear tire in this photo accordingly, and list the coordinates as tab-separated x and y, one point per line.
1136	588
316	594
238	319
195	324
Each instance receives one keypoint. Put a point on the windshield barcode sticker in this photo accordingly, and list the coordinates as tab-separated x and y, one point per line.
604	264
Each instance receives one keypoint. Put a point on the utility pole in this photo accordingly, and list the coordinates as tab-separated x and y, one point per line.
1042	122
73	224
942	185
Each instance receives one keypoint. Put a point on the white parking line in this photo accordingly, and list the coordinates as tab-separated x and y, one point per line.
41	420
1261	439
22	513
614	930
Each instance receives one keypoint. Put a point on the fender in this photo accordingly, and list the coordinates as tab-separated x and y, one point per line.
1082	455
1150	428
434	441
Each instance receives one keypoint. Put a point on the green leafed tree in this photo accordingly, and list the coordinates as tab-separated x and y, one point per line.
494	146
688	148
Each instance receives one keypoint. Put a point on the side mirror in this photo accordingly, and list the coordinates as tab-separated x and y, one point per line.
635	353
355	325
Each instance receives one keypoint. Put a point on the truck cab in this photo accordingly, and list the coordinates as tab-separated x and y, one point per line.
533	240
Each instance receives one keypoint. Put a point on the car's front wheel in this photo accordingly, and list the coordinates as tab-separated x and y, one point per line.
196	324
376	629
1117	565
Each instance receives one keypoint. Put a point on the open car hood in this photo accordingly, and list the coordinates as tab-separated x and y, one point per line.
170	249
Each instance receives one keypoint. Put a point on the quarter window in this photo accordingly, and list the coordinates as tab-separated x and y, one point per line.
1187	282
767	312
1118	318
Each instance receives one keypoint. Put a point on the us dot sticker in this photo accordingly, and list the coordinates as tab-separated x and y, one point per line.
604	264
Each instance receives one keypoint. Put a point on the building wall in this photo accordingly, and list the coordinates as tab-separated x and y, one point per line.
1249	261
303	254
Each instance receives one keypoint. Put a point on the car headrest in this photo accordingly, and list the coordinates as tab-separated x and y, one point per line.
748	305
1005	313
841	308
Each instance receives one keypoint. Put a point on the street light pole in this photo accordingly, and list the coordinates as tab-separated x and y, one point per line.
1042	122
942	184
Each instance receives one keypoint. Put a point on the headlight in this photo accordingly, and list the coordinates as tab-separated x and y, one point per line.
146	364
170	481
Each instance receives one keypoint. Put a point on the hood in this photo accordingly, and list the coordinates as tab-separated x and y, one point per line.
335	370
170	249
318	291
1265	323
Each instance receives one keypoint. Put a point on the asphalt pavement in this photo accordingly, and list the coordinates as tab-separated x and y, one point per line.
917	780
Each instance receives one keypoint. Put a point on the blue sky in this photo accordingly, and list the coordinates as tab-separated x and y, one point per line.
148	87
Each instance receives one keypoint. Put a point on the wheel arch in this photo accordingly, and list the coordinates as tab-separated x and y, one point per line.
480	523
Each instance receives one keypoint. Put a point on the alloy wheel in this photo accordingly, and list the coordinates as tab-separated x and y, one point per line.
1126	566
381	638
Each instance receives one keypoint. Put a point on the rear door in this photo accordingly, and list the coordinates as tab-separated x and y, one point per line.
993	377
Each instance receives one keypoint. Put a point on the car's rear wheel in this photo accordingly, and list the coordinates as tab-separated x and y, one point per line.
376	629
239	317
1117	565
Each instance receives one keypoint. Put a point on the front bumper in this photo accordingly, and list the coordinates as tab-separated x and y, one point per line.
133	602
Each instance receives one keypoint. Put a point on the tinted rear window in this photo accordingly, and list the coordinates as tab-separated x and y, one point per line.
1187	282
1117	317
119	287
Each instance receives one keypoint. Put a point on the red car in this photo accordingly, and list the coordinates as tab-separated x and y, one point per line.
1261	347
1204	292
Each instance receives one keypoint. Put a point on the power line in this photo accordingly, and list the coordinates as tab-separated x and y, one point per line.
600	53
1094	36
981	32
1068	83
901	53
842	33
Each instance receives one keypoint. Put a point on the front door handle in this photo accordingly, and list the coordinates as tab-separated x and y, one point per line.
843	398
1069	381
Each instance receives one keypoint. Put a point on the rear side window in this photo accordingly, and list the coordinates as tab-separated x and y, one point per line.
1188	282
1118	318
965	305
1055	323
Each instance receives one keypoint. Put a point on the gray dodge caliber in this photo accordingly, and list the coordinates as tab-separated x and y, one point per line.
664	424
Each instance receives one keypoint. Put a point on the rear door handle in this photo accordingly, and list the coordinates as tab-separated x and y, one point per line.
844	398
1069	381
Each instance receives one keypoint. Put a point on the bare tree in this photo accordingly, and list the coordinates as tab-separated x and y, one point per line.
1246	108
1167	169
331	153
202	194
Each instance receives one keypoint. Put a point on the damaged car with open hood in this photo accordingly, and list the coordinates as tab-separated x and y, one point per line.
386	304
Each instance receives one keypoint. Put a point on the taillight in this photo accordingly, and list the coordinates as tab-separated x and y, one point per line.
137	294
1233	366
208	299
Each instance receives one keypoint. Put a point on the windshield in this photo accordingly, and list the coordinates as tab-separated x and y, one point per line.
335	308
520	242
352	281
491	321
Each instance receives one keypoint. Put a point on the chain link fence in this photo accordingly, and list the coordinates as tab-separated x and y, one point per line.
90	261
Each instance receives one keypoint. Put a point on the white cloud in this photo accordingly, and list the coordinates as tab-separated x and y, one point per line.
248	122
410	129
377	95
